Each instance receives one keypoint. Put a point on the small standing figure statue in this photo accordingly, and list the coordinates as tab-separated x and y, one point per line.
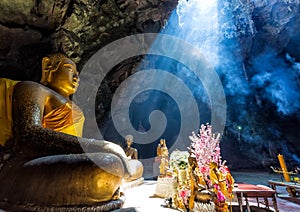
131	152
159	146
163	151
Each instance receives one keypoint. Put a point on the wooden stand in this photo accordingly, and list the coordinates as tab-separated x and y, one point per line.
292	188
246	191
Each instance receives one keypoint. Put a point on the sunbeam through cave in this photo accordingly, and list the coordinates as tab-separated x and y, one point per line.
156	97
258	85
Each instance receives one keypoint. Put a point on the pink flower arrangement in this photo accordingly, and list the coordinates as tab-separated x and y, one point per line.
205	148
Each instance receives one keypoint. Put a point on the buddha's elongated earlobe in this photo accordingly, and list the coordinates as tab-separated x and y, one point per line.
46	67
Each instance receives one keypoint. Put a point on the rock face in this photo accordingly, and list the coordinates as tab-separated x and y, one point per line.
269	125
31	29
262	120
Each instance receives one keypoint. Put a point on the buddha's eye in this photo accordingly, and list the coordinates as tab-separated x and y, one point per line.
70	68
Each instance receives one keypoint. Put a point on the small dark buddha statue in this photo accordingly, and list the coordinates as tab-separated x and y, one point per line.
44	161
131	152
132	155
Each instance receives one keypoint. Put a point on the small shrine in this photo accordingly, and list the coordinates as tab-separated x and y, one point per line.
196	179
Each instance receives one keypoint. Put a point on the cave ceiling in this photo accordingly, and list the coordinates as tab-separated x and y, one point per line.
31	29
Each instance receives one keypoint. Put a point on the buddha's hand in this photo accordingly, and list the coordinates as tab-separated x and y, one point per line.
102	146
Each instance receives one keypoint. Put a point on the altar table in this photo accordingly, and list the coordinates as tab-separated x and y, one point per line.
246	191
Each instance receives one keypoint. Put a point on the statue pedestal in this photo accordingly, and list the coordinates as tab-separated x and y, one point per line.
166	186
131	184
156	164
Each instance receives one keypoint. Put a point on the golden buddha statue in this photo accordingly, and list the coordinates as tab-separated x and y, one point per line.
42	161
220	179
198	188
159	146
164	154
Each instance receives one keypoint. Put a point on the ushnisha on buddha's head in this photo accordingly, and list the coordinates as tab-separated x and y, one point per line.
60	74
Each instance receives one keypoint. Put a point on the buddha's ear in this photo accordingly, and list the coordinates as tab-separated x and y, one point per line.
46	63
46	66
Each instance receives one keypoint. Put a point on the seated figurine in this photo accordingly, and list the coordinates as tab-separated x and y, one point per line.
42	159
132	155
130	152
220	179
198	188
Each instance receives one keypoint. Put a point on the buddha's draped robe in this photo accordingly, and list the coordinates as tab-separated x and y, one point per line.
67	118
131	153
6	122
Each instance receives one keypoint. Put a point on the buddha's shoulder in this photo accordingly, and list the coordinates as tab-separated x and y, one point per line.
36	92
30	88
31	85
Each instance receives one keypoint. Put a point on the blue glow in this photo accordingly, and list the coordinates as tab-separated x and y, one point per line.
276	81
214	27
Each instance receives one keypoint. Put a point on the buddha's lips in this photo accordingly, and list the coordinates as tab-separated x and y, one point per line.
75	84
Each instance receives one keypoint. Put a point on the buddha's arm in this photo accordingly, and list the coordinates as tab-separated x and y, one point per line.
30	100
28	107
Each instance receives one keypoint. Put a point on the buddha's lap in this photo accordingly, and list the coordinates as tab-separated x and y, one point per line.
61	179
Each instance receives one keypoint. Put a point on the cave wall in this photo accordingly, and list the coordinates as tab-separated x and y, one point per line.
32	29
264	113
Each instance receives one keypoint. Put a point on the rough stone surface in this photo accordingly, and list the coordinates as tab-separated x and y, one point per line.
78	28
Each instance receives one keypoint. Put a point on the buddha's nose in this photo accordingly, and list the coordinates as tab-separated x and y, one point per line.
76	76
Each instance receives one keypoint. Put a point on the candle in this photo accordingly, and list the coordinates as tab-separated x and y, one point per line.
283	168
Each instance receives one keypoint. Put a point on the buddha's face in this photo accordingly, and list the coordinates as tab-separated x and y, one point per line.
65	79
129	141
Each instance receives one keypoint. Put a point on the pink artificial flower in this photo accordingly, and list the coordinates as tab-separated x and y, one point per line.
204	169
220	196
183	193
184	196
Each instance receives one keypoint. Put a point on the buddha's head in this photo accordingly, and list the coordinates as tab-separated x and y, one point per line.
60	74
161	142
129	140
